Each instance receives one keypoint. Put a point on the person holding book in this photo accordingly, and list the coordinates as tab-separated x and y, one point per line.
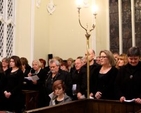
37	77
128	81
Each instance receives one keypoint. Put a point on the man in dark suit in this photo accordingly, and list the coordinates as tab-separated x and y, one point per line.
82	85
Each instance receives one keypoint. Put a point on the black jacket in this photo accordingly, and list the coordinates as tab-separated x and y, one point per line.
128	82
82	83
61	75
12	82
104	83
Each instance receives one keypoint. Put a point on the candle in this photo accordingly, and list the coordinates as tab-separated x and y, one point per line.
94	10
79	3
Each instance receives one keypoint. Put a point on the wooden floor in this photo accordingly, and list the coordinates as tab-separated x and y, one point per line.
90	106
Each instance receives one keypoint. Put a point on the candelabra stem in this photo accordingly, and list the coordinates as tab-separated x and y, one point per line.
87	35
88	64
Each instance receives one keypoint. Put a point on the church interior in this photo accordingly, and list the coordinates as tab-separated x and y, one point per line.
37	29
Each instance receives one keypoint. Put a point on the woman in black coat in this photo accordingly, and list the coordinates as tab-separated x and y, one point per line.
128	81
103	78
11	87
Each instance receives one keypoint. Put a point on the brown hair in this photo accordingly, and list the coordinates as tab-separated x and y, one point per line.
24	61
70	59
42	61
16	60
57	84
64	64
1	70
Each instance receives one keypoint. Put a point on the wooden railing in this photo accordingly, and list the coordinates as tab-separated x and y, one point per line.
90	106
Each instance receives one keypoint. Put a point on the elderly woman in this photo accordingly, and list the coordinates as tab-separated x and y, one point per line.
102	81
128	81
37	82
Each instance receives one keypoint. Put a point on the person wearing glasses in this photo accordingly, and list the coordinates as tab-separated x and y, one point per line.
103	78
128	81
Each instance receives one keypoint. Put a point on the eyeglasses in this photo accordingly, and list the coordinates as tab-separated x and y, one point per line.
102	56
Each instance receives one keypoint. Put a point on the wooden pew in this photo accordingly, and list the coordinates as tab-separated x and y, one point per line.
31	99
139	111
90	106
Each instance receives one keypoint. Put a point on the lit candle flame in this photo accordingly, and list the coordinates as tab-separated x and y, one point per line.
79	3
94	9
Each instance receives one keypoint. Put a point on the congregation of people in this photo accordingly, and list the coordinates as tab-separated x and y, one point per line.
112	76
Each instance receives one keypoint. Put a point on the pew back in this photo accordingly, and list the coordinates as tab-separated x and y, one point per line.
90	106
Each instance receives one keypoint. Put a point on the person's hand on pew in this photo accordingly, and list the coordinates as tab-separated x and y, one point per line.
122	99
7	94
138	100
98	95
80	96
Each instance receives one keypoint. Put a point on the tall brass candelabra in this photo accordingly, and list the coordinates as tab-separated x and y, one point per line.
87	35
